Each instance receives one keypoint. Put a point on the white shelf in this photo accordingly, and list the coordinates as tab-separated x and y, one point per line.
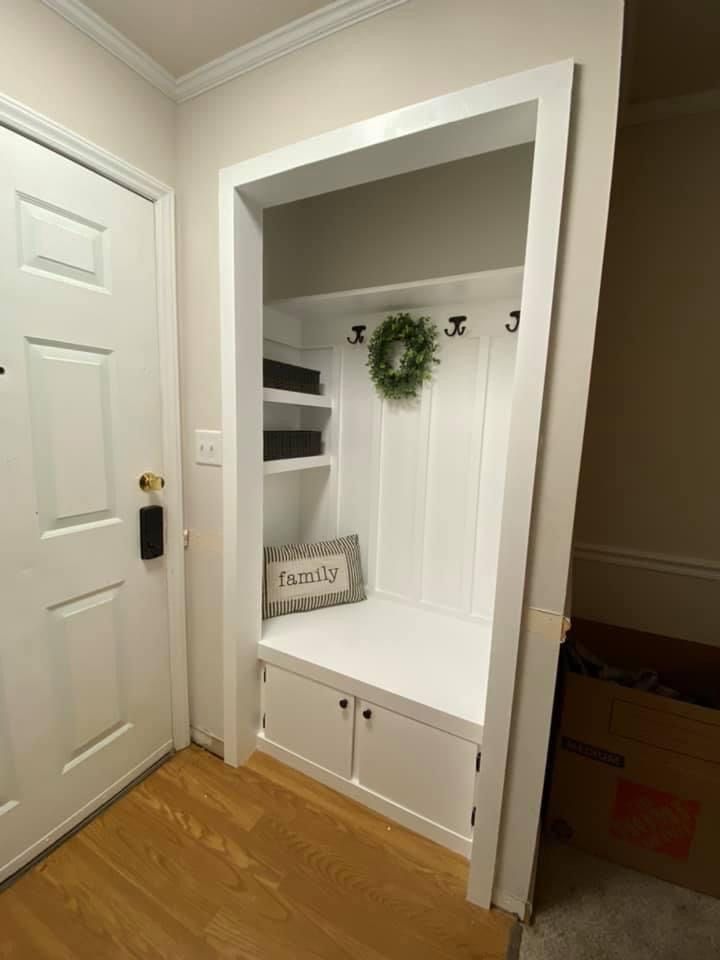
296	463
270	395
388	652
485	287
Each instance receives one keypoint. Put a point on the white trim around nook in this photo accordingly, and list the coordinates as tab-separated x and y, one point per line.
465	123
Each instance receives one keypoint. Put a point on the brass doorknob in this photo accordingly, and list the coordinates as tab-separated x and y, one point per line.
150	482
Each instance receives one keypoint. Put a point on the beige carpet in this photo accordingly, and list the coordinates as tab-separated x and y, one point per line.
589	909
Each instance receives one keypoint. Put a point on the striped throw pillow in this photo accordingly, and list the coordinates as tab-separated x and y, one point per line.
306	576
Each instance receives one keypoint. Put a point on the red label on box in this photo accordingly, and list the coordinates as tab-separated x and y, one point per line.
653	819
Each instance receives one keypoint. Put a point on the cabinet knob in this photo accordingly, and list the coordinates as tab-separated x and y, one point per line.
367	714
343	703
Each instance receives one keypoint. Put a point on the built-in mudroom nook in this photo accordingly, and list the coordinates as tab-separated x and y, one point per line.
387	302
383	487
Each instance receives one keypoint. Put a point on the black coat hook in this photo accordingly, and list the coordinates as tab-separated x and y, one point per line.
459	327
358	330
512	327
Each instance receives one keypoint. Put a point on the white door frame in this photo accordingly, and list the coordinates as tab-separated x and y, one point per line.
380	147
35	126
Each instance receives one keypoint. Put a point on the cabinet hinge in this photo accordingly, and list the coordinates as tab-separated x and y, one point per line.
186	538
264	715
472	816
477	763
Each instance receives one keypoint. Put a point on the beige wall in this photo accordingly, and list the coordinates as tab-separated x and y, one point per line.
651	466
419	50
49	65
412	227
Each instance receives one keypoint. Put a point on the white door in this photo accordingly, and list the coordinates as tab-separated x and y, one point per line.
84	661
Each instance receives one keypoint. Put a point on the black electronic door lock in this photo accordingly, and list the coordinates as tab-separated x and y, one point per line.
152	533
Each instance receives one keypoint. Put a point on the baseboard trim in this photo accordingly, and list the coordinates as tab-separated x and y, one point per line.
508	902
670	564
386	808
207	740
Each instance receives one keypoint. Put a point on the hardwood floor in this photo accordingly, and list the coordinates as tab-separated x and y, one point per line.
202	861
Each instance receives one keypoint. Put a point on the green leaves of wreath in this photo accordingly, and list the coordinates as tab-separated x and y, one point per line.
403	379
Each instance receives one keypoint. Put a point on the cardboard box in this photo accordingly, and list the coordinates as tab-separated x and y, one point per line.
636	776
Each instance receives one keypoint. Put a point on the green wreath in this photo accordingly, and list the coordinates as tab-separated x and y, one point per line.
404	379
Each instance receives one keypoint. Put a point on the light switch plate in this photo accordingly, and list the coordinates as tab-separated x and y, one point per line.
208	447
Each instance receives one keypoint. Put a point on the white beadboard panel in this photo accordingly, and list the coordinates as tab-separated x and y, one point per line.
453	464
420	482
359	408
501	369
402	457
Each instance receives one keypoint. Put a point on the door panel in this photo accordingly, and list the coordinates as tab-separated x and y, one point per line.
309	719
72	434
84	656
423	769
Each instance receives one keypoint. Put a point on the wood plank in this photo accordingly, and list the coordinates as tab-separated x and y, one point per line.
203	861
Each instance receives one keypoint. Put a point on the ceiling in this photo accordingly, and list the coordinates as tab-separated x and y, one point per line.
672	49
181	35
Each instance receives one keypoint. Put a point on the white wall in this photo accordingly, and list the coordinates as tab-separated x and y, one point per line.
49	65
651	465
419	50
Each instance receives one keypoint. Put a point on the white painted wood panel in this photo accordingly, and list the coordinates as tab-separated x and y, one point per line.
319	488
307	718
493	471
424	769
454	454
281	509
358	410
402	458
88	634
72	434
419	481
60	244
84	650
271	395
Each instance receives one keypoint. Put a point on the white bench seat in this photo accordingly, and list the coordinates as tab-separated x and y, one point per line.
426	665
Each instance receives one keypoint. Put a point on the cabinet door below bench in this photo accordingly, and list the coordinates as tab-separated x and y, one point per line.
423	769
309	719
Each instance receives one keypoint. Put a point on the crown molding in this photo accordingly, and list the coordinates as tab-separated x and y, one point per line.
701	569
292	36
99	30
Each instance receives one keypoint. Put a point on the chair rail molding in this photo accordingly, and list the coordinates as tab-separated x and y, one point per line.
270	46
671	564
